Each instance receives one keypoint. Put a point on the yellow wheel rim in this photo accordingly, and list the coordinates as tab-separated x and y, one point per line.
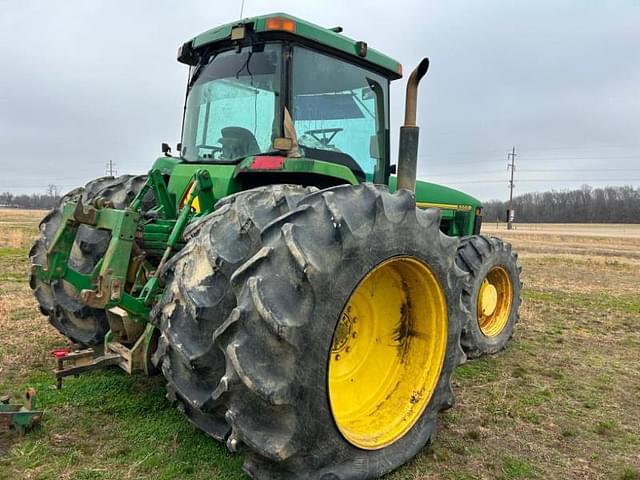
495	298
387	353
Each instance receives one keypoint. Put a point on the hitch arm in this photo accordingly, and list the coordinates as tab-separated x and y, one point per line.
203	186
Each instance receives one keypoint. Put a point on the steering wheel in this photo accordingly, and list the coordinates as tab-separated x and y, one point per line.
213	150
328	134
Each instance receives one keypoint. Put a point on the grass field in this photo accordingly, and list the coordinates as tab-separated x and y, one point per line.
562	402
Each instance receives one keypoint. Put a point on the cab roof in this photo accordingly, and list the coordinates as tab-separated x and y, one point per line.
288	24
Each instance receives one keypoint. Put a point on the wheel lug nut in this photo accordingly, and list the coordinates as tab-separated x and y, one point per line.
337	357
354	335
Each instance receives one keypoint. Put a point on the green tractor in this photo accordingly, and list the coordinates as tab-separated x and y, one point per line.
306	305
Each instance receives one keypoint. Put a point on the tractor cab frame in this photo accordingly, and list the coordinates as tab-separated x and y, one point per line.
269	89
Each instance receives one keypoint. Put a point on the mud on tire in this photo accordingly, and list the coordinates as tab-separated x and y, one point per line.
277	341
198	297
59	300
478	255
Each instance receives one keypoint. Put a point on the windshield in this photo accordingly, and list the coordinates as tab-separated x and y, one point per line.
233	107
339	112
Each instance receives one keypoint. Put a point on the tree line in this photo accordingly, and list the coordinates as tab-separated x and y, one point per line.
33	201
584	205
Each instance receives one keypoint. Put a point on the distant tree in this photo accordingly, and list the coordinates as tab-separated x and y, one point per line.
32	201
585	205
52	191
6	198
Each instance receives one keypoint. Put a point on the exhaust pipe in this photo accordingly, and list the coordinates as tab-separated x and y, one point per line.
409	132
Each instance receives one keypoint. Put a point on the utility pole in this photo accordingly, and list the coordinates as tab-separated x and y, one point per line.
511	166
111	171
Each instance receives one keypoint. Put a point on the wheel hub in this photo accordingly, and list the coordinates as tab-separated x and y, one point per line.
495	299
387	353
343	333
488	298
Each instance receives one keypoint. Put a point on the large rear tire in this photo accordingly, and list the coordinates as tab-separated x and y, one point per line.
492	293
198	298
345	254
59	300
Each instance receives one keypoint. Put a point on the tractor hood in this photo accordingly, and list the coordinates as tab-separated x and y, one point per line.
431	194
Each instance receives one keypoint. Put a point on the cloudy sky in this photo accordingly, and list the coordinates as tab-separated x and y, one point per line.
85	82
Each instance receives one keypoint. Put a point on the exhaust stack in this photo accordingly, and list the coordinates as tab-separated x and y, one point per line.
409	132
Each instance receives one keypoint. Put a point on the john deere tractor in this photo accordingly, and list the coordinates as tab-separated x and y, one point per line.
306	305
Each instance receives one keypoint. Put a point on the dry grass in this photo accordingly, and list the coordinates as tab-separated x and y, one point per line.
560	403
18	228
583	230
21	324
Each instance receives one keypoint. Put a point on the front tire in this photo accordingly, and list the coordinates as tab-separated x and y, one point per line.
284	394
59	300
491	294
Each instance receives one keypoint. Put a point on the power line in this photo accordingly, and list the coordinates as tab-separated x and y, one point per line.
543	180
580	170
453	161
456	175
550	171
588	157
590	148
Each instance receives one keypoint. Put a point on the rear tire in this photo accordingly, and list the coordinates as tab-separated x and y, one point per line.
198	298
490	262
59	300
279	341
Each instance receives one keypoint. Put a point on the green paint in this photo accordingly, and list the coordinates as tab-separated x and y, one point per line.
317	167
165	164
166	201
307	31
459	214
104	287
223	182
18	417
229	179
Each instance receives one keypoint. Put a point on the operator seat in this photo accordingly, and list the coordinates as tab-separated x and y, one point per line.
238	142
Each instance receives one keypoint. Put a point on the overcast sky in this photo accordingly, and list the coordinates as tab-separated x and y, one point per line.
84	82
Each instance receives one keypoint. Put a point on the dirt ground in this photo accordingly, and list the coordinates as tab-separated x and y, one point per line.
562	402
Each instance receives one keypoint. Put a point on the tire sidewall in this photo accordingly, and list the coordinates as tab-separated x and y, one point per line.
497	258
319	339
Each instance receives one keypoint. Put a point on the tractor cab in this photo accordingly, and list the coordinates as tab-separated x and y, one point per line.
276	86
